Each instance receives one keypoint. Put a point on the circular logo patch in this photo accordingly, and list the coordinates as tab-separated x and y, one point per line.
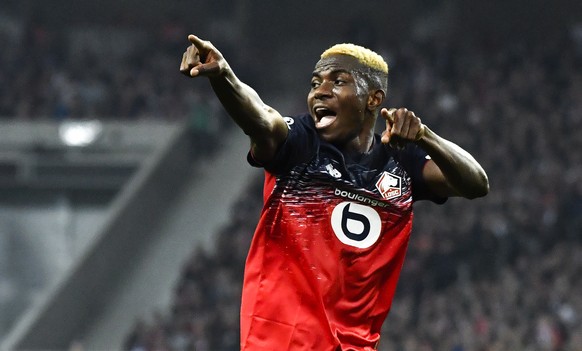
356	225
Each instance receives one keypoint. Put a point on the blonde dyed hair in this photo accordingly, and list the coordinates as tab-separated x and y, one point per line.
364	55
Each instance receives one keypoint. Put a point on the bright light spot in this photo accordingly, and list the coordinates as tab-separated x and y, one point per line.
79	133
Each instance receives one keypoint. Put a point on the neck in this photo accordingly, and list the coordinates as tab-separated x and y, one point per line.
362	143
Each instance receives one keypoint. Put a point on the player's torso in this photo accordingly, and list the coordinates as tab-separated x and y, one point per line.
331	240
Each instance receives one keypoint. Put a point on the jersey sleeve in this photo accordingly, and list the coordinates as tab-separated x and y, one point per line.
299	146
413	158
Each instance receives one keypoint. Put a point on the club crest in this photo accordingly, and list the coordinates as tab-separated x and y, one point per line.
389	185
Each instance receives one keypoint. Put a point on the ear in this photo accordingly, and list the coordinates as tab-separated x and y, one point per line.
375	99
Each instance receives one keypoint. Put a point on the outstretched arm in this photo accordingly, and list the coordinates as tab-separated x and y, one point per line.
263	124
452	171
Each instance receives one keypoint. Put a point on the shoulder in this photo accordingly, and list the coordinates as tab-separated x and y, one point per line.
299	146
301	128
303	121
414	159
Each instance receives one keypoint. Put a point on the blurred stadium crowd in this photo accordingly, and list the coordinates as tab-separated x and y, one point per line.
500	273
125	73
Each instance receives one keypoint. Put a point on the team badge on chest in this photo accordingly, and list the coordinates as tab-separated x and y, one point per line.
389	185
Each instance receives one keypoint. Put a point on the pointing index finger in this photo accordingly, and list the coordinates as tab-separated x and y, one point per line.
196	41
388	114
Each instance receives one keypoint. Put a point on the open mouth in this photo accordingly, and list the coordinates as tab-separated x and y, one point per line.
324	117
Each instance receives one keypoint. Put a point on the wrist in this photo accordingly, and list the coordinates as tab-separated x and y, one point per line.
421	133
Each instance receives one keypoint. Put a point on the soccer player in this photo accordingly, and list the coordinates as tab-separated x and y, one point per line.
327	252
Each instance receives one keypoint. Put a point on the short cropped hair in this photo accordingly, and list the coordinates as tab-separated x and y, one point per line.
366	56
377	72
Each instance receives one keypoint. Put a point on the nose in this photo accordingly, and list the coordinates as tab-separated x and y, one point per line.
323	90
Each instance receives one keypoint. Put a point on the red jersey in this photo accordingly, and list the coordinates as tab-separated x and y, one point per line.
327	252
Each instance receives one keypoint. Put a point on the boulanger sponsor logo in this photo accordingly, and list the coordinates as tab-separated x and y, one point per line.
389	185
360	198
356	225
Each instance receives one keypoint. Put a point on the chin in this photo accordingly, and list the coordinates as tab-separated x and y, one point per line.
326	135
330	137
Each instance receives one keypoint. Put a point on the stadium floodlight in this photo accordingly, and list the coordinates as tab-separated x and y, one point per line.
80	133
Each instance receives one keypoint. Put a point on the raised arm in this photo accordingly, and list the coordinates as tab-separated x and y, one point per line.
263	124
452	171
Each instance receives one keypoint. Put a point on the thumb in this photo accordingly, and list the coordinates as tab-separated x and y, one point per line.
205	69
386	135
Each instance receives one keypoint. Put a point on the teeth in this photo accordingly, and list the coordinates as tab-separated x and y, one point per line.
323	111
